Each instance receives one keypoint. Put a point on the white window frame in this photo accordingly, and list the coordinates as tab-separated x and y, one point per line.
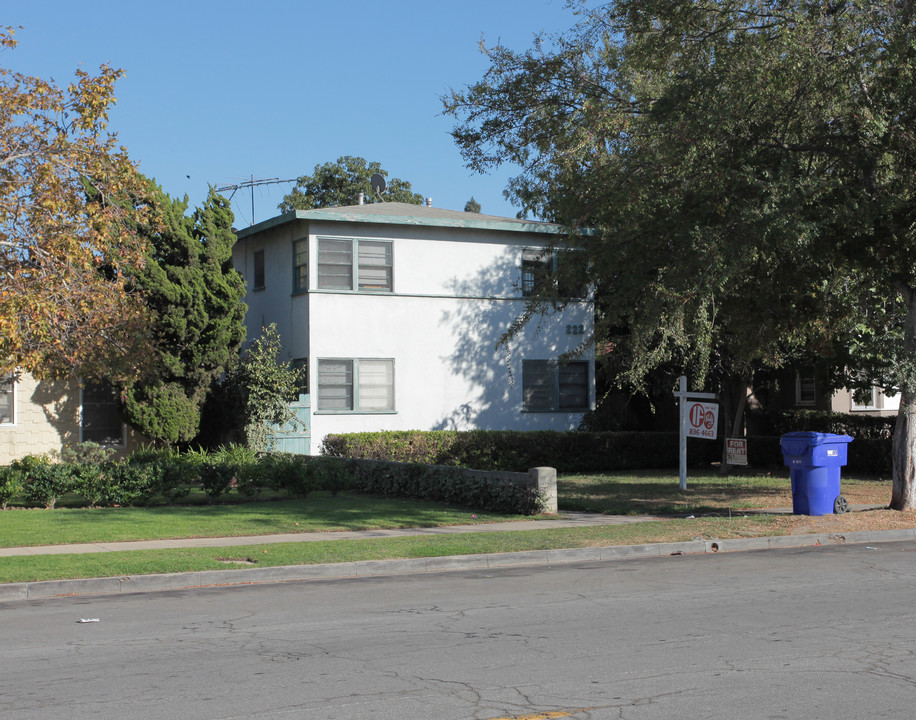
544	379
354	265
360	394
8	387
121	442
858	407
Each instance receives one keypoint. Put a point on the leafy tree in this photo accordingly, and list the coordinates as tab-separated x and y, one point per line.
472	206
340	183
256	393
65	301
195	297
748	169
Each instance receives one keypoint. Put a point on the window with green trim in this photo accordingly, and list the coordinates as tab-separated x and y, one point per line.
300	265
363	385
370	262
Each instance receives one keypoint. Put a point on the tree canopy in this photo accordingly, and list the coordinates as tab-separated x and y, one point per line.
195	298
340	183
747	169
68	208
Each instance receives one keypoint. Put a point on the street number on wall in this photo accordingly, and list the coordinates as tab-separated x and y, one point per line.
575	329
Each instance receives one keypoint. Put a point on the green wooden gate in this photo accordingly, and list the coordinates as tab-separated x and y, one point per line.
294	435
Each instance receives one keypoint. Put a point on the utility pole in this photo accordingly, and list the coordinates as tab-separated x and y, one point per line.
251	184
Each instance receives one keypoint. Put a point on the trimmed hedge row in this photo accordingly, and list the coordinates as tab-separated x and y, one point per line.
166	476
575	451
439	483
514	451
857	426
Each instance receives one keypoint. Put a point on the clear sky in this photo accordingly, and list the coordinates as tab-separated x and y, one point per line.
218	91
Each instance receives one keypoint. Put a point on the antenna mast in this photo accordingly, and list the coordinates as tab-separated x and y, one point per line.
251	184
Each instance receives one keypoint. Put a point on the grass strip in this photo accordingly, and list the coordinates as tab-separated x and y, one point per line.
141	562
316	513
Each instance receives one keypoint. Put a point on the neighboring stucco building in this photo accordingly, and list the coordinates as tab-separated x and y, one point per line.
396	311
38	416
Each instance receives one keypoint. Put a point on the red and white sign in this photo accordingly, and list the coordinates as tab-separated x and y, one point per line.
702	420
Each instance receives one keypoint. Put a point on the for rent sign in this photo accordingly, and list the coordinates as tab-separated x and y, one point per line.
702	420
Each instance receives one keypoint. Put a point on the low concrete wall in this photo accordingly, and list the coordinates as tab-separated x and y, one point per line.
542	479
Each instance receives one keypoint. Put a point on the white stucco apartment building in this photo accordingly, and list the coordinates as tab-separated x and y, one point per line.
396	311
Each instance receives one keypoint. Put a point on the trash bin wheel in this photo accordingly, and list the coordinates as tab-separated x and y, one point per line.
840	505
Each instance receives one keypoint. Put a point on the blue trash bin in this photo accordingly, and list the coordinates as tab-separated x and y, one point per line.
814	461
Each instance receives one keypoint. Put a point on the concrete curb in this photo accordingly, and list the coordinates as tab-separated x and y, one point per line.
300	573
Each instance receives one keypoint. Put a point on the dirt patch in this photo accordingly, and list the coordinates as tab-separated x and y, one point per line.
855	521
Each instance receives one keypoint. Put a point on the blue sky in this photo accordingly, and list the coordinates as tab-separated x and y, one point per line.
223	91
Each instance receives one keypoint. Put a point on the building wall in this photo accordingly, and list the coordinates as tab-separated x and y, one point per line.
47	420
880	404
455	293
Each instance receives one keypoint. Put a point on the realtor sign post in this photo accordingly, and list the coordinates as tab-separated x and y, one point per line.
697	419
736	451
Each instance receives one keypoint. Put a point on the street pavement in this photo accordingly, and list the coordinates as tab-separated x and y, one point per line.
298	573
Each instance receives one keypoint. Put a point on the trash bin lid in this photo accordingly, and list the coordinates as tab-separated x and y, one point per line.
795	443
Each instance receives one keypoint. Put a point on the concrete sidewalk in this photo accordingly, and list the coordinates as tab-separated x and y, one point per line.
301	573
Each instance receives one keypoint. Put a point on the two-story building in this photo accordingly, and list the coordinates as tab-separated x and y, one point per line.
398	311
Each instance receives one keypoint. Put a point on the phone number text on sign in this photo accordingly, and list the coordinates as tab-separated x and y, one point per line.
702	420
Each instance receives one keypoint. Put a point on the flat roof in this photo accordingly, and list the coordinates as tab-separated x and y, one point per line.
397	213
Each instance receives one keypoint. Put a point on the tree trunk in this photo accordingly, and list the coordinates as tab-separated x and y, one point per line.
904	443
737	429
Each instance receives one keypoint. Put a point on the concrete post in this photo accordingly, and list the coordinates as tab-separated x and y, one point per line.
545	480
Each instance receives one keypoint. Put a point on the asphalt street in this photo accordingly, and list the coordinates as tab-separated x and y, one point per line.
817	632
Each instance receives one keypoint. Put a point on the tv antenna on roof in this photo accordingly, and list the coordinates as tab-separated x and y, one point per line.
251	184
378	184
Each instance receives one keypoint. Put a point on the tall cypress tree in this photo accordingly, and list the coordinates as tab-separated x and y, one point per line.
196	296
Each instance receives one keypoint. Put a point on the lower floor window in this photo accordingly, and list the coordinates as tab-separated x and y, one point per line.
356	385
7	399
550	386
100	421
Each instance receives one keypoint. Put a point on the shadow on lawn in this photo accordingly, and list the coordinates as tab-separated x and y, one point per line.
635	496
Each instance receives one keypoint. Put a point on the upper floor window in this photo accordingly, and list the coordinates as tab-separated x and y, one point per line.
7	398
549	386
370	262
300	265
356	385
100	420
258	259
544	271
535	271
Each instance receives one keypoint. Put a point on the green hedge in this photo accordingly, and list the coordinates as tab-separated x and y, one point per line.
858	426
440	483
576	451
167	476
512	451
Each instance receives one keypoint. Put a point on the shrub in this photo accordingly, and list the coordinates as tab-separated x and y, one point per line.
216	477
90	481
10	485
88	453
855	425
43	480
576	451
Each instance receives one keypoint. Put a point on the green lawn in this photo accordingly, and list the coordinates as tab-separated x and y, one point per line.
717	505
317	513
